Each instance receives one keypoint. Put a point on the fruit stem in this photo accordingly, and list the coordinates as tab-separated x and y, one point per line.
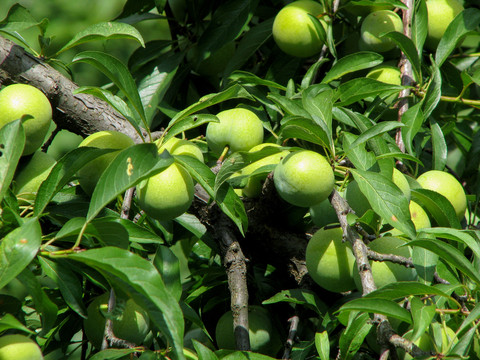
222	156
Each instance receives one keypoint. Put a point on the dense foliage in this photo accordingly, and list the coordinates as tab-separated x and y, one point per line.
63	247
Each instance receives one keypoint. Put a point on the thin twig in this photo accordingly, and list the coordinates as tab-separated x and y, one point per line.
292	334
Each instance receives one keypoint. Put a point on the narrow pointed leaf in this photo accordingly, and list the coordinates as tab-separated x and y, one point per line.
438	206
299	296
18	248
8	321
361	88
378	129
433	93
353	62
129	167
18	19
408	47
404	289
168	266
188	123
138	278
305	129
12	139
322	344
204	353
378	306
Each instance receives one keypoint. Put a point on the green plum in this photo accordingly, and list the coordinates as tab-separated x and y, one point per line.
19	347
21	99
304	178
376	24
240	129
176	146
440	15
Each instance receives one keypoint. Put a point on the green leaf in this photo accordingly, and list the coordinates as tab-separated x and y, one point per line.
465	22
318	101
425	263
12	141
408	47
353	62
104	31
68	283
188	123
204	353
470	319
18	248
386	199
449	254
354	335
168	266
433	93
305	129
63	172
439	146
420	27
111	354
138	278
322	343
225	196
109	232
299	296
400	290
378	306
461	236
129	167
45	307
422	316
362	88
8	321
139	234
246	78
17	19
116	71
359	156
438	206
413	119
233	92
378	129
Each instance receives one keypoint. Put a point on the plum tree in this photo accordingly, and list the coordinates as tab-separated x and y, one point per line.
440	15
386	272
29	178
262	334
19	347
295	32
240	129
89	174
17	100
330	261
375	25
133	325
446	185
304	178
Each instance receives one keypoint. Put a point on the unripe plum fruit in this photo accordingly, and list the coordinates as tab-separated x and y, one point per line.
323	213
440	15
176	146
133	325
386	74
239	128
89	174
304	178
446	185
294	31
29	178
19	347
386	272
64	142
21	99
262	334
376	24
330	261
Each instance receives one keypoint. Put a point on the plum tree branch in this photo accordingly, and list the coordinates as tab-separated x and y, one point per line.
82	114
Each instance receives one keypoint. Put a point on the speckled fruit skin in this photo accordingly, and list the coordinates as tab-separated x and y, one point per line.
386	272
261	332
19	347
330	262
31	176
239	128
304	178
446	185
167	194
440	15
294	31
375	24
20	99
88	175
133	326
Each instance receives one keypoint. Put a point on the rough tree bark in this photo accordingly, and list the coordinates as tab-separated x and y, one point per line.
82	114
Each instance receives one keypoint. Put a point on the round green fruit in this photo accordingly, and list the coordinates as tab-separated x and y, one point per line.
20	99
254	184
376	24
386	74
176	146
446	185
295	32
30	177
304	178
167	194
401	181
262	335
64	142
323	214
419	217
440	15
88	175
386	272
133	324
330	261
355	199
239	128
19	347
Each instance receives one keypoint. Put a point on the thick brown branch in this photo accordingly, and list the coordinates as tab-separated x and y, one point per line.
82	114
